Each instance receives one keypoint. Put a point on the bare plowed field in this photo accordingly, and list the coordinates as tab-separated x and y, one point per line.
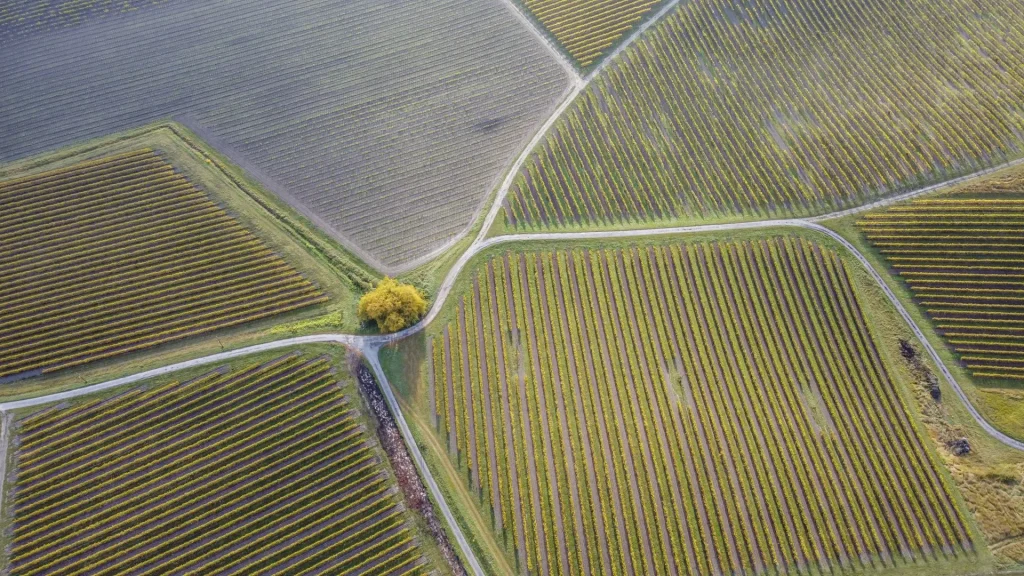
711	408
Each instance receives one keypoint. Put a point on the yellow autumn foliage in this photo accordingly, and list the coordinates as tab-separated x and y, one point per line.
392	305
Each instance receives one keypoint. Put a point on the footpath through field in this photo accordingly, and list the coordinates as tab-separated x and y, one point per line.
369	346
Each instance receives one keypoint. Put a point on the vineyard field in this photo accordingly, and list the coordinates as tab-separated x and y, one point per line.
962	256
25	17
123	253
587	29
688	408
386	124
263	469
728	110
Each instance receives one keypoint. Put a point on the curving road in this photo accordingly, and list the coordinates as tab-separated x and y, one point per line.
370	345
991	430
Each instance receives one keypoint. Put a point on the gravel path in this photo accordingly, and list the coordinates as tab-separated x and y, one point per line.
369	345
5	430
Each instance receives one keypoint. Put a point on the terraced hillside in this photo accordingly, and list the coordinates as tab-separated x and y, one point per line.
961	256
124	253
385	123
587	29
262	470
731	109
711	408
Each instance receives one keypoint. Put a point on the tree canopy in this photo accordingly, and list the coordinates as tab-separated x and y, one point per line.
392	305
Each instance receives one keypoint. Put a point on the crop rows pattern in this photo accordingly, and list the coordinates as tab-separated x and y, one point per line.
587	28
264	470
737	108
962	256
385	123
22	17
715	408
123	253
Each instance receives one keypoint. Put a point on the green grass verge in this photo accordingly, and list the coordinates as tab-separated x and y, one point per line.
341	275
979	475
340	363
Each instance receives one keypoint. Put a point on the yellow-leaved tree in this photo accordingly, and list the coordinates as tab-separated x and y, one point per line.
392	305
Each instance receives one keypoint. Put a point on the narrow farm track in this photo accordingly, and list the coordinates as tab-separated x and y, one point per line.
370	345
5	430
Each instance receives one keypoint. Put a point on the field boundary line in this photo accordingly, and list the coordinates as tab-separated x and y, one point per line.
563	59
628	41
5	440
346	339
914	193
370	353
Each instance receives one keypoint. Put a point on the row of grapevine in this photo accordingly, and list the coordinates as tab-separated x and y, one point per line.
764	109
961	257
384	123
714	408
123	253
588	28
24	17
260	470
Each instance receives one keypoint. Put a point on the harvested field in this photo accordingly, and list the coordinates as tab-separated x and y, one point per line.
262	470
729	110
962	256
386	123
124	253
587	29
709	408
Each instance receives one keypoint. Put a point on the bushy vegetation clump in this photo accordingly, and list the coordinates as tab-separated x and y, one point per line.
392	305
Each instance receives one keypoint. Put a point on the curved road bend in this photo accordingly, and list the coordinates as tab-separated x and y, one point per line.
361	343
369	346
